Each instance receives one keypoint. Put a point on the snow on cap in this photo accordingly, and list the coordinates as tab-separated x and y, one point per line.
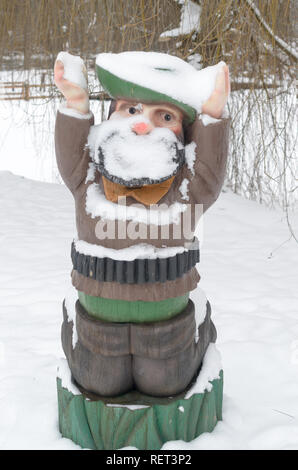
156	77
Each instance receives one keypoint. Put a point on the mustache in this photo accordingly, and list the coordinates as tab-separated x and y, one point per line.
179	159
135	160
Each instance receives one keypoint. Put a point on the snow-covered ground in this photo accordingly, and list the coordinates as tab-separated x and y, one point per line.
27	127
249	273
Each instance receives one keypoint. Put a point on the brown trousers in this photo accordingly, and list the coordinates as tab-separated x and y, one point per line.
158	358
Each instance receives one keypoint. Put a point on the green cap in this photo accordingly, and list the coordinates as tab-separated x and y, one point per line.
115	83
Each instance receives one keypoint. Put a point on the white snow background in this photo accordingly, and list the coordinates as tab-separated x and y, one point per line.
249	273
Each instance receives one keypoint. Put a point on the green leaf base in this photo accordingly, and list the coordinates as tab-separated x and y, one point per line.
113	423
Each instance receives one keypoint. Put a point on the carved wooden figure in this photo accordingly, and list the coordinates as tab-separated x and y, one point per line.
140	180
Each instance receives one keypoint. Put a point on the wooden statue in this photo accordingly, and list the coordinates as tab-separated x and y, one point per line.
140	181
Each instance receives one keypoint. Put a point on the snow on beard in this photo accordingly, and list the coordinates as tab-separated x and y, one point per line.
134	160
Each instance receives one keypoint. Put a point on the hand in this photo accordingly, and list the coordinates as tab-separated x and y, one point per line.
76	95
214	106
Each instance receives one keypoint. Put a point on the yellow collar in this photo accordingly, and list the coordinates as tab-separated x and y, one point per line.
148	194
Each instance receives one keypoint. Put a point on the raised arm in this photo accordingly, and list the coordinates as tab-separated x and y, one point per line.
214	106
70	77
73	120
211	138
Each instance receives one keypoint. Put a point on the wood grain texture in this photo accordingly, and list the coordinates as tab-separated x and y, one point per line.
95	425
115	310
110	359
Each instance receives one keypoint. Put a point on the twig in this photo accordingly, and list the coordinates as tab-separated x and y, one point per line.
283	413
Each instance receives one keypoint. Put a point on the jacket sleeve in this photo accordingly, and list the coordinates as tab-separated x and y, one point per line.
71	135
209	166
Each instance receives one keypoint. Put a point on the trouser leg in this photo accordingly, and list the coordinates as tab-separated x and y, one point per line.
157	358
166	355
100	361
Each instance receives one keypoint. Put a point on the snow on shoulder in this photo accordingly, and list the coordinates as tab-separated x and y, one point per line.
163	73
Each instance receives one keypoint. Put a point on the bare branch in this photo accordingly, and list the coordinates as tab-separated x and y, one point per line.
282	44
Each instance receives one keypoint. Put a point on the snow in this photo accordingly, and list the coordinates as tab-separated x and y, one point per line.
74	69
200	301
211	367
28	128
63	373
210	370
155	151
91	172
73	113
288	49
183	188
206	119
138	251
190	156
189	22
195	60
71	298
130	407
249	273
263	145
98	206
164	73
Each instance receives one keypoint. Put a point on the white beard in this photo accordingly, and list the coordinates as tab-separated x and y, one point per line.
134	160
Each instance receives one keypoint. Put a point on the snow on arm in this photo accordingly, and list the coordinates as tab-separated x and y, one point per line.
206	119
63	109
206	158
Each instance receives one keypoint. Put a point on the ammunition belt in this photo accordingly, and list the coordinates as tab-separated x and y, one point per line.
138	271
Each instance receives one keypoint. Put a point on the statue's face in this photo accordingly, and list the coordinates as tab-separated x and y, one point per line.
140	144
157	115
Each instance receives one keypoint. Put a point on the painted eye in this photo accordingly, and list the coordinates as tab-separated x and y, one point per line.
167	117
132	110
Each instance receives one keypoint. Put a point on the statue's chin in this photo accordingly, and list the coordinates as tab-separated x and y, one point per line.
133	172
134	182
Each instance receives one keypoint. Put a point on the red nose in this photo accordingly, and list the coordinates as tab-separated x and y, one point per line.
141	128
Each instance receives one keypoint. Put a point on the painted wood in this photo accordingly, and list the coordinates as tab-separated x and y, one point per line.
98	423
114	310
111	359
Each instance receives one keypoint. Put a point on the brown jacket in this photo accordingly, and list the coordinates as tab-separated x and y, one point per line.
205	181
